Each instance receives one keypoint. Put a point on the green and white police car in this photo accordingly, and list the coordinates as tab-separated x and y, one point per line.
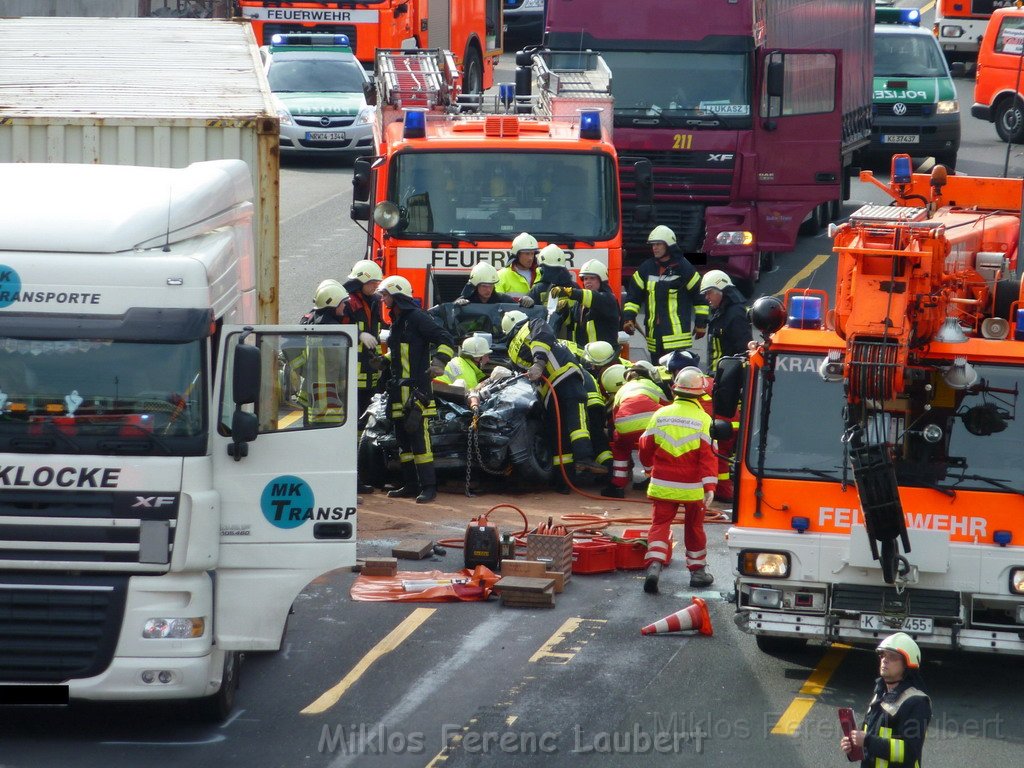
317	84
914	108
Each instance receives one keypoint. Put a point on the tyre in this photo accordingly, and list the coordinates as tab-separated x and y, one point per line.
217	708
767	259
773	645
1010	121
812	225
537	468
473	72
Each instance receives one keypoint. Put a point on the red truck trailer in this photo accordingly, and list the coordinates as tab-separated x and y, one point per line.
750	111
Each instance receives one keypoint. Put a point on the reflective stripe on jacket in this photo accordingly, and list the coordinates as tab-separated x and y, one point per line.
677	446
895	725
668	297
634	404
462	368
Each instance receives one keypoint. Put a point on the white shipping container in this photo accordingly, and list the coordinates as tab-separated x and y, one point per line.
152	92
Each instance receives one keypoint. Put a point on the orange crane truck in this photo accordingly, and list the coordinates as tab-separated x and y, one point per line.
898	502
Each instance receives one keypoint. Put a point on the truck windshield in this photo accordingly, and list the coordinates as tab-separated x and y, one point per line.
673	84
500	194
976	450
102	396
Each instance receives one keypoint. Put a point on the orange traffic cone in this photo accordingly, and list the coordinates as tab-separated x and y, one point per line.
693	616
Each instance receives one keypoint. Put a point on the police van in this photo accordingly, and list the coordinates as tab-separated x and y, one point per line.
914	107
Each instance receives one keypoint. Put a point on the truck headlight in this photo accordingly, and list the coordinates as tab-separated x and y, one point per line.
950	107
175	628
950	30
739	237
769	565
1017	581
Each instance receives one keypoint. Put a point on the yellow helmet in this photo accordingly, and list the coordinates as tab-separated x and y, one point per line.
483	274
396	285
904	645
329	294
715	278
511	319
551	256
595	268
662	234
689	381
524	242
612	378
598	353
366	271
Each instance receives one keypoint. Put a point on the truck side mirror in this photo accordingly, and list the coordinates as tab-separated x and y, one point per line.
721	429
362	172
370	92
728	389
245	382
775	79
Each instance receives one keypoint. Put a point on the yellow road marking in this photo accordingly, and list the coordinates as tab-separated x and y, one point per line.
808	270
812	687
394	638
547	650
288	419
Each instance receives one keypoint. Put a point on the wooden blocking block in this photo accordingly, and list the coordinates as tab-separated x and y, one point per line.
555	550
559	578
414	549
531	568
380	566
523	584
517	599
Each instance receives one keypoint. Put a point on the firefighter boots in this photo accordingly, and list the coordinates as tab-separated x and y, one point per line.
701	578
427	494
611	492
410	483
651	581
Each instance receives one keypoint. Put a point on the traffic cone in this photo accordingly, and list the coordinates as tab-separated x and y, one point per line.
693	616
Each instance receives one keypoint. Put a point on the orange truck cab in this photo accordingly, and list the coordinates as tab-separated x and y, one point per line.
999	81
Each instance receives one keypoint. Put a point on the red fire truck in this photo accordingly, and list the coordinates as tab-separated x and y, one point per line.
457	177
470	28
960	24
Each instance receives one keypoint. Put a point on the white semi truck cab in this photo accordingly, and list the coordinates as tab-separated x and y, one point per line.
171	474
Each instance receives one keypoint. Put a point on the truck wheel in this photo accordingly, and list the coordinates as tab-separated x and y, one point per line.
537	468
473	72
767	259
217	708
773	645
1010	121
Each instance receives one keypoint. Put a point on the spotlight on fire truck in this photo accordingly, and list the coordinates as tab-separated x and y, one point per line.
950	332
960	375
387	215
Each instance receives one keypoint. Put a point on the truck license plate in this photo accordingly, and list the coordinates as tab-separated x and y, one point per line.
915	624
325	136
900	138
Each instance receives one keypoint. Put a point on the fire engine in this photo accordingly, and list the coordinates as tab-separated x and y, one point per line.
457	177
470	28
899	504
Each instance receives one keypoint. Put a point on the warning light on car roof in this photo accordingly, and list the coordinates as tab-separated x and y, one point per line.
590	124
804	312
415	124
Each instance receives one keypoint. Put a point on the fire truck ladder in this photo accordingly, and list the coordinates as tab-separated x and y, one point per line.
571	80
426	79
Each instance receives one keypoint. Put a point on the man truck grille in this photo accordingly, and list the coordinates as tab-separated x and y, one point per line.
53	630
56	530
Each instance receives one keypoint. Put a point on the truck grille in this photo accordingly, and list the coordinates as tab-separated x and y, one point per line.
87	531
917	602
52	630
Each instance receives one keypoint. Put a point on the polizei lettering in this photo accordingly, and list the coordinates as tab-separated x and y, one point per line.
47	297
59	477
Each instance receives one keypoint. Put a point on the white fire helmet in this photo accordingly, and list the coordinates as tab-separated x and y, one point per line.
595	268
366	271
551	256
662	234
329	293
511	319
715	278
475	346
483	274
396	285
598	353
689	381
524	242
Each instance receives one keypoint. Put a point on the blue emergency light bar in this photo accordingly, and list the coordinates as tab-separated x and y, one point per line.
800	524
804	312
415	124
294	38
1018	330
893	15
1002	538
902	171
590	124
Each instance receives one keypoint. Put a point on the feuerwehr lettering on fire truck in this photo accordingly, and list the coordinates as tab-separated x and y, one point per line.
288	502
307	15
464	259
964	525
11	292
15	476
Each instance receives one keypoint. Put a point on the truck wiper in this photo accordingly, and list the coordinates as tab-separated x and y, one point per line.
134	446
563	237
455	238
827	474
990	480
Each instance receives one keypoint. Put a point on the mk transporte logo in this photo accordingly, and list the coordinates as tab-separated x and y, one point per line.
10	285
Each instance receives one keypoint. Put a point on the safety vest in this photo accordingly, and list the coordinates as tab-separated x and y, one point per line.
323	382
462	368
634	404
510	281
677	445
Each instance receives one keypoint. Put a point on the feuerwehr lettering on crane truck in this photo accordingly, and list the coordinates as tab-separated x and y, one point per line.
135	427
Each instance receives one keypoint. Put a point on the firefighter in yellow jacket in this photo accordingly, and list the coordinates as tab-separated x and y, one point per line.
677	447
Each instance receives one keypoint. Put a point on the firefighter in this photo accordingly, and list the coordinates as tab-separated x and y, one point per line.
480	289
413	333
728	326
672	363
519	275
316	366
677	447
666	288
592	312
361	308
636	400
532	346
899	712
466	370
553	273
